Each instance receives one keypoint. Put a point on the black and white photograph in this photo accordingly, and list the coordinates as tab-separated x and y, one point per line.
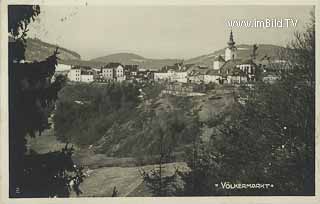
169	100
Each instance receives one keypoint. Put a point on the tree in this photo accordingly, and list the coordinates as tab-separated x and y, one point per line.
254	51
271	138
31	99
165	129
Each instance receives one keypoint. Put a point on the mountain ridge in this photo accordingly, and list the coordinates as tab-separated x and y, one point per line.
243	51
39	50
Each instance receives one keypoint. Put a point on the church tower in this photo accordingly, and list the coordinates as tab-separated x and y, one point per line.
230	53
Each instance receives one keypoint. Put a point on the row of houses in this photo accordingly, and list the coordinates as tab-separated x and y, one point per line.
233	71
223	70
110	72
81	74
227	70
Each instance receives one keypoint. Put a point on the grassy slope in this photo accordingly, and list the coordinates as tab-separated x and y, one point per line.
128	181
106	172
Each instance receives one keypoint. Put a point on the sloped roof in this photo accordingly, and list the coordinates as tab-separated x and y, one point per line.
131	67
229	66
219	58
237	72
247	61
195	70
188	66
213	72
81	67
112	65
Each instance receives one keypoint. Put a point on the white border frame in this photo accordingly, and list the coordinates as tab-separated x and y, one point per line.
4	159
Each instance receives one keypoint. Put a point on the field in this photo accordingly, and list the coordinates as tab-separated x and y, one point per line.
100	181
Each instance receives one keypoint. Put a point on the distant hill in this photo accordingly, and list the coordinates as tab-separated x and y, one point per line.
244	51
39	50
92	64
130	58
120	57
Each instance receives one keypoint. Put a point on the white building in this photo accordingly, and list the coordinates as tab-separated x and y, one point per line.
237	79
87	78
172	76
80	74
212	76
113	71
62	67
120	73
181	77
107	73
196	78
75	74
158	76
249	68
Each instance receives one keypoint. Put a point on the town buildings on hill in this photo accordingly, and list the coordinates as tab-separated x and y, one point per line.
229	69
113	72
81	74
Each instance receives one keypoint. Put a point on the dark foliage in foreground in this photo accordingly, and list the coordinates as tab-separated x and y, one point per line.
31	97
268	140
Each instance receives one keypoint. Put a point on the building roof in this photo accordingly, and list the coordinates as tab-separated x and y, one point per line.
229	66
81	67
175	66
213	72
203	66
131	67
86	72
247	61
197	69
188	66
219	58
112	65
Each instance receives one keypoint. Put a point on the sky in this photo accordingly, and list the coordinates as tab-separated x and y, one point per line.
160	31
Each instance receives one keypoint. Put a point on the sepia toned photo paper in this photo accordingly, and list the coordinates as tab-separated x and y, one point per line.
159	101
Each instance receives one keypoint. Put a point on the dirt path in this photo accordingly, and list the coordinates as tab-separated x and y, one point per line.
101	181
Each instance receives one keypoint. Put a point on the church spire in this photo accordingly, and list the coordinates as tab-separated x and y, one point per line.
231	42
230	52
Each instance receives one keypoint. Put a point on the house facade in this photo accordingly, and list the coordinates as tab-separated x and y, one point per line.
74	74
81	74
113	72
172	76
107	73
212	76
119	73
87	76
